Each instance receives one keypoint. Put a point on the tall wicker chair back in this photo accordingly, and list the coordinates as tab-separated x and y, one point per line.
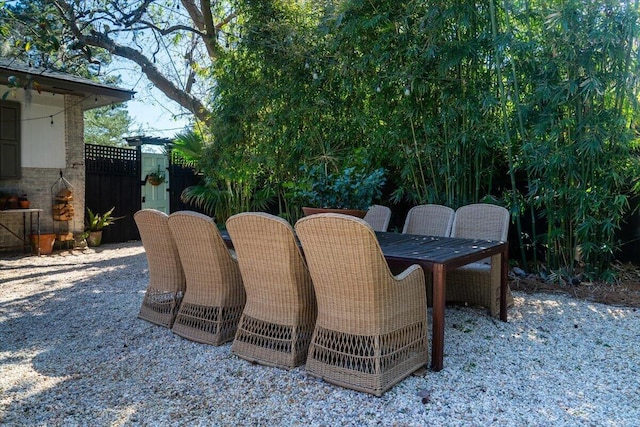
378	217
429	220
277	322
479	283
166	278
214	298
371	330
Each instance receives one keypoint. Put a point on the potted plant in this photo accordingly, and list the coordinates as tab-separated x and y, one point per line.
12	202
42	243
350	191
24	202
156	177
96	223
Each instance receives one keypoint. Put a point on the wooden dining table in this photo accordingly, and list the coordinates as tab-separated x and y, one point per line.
439	255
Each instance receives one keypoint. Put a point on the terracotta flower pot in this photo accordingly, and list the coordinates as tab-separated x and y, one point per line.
353	212
12	202
24	204
46	242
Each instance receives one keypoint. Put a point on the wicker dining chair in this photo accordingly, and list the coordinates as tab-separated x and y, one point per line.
277	322
166	277
371	330
429	220
378	217
215	297
479	283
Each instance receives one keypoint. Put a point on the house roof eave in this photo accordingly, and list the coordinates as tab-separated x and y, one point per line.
95	94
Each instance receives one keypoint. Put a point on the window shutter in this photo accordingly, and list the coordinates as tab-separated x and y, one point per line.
10	140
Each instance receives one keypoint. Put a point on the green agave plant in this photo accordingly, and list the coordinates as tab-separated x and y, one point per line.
96	222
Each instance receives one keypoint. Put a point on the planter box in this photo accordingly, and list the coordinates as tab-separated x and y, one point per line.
353	212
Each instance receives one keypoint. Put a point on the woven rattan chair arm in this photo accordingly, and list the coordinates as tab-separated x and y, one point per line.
408	272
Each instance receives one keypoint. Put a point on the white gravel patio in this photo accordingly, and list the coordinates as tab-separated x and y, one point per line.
73	352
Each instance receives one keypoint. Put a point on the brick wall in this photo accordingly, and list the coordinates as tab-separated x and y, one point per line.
37	184
75	172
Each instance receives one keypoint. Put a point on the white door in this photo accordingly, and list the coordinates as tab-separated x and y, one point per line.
155	196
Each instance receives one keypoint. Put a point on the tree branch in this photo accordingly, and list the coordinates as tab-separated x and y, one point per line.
166	86
187	101
203	20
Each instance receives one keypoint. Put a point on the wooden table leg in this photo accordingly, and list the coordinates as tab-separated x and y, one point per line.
504	271
437	339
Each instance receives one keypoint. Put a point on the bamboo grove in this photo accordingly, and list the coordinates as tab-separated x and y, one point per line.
531	104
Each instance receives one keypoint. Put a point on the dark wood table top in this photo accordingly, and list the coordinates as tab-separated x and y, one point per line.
428	250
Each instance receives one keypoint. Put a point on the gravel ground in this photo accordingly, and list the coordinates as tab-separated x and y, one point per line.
73	352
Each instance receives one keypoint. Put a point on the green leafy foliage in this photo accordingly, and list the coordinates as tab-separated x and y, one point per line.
37	35
187	148
106	125
579	145
349	189
97	221
531	103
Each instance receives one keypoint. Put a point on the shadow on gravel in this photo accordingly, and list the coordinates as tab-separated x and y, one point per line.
88	360
70	322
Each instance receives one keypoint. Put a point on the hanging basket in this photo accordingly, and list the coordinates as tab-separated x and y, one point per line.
156	177
155	180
